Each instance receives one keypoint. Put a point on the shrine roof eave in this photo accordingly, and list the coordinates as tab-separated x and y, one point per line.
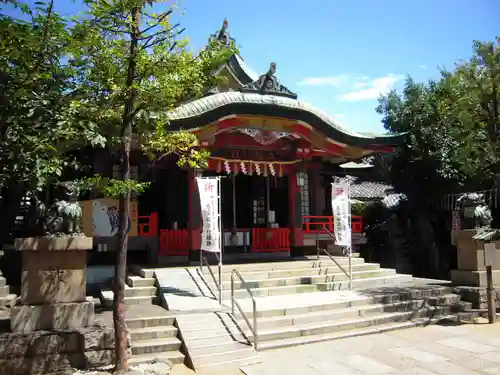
240	69
212	108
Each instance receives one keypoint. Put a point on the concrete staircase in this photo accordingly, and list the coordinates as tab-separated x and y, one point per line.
138	291
211	336
298	302
7	299
213	340
152	329
322	316
154	337
271	279
306	301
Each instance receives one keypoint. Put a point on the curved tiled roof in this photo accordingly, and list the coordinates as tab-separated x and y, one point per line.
211	108
242	70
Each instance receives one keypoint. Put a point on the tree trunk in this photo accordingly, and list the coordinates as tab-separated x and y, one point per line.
124	205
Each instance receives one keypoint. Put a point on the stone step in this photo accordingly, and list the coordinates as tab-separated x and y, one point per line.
214	349
446	299
160	345
137	281
286	265
137	270
295	272
107	298
271	291
140	291
149	322
334	314
156	332
301	280
221	336
331	300
174	356
205	321
242	356
8	300
212	331
365	283
4	291
362	283
336	326
387	327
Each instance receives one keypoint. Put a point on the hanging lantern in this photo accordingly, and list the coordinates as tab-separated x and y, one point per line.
271	170
227	167
243	168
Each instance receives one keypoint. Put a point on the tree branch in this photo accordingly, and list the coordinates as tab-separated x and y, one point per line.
158	41
158	20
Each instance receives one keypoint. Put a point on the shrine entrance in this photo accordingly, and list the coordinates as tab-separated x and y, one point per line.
254	212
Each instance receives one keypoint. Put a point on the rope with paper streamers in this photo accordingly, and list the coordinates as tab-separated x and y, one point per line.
271	170
243	168
257	169
249	167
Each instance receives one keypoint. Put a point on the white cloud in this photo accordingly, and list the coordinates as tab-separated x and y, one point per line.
339	116
373	88
336	81
353	87
422	67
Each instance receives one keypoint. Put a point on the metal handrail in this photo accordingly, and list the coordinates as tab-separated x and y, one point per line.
318	249
218	284
254	306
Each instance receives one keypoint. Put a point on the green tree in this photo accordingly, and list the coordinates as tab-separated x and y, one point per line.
450	139
39	123
135	69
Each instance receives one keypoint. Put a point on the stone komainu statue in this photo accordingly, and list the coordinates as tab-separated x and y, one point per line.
474	212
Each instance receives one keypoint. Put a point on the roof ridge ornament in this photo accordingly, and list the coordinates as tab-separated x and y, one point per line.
222	35
268	84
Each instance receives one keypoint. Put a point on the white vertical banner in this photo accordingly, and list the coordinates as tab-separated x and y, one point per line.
341	214
208	188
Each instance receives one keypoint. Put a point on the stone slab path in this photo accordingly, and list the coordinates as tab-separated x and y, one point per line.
434	350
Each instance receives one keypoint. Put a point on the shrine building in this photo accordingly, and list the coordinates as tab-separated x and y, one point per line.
276	155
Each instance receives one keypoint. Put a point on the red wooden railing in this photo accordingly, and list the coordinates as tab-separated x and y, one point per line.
174	242
150	226
315	224
278	240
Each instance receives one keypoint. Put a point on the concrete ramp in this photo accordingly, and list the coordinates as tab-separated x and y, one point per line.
183	290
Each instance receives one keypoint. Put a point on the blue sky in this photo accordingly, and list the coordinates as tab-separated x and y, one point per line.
339	55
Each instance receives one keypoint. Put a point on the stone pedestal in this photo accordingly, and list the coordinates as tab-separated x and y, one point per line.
471	271
53	284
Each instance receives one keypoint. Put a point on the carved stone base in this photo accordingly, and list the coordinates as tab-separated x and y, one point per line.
45	352
29	318
476	295
53	269
470	253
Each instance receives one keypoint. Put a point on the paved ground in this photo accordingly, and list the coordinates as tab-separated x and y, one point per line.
444	350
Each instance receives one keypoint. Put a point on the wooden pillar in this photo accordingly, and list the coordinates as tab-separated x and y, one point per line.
295	216
317	193
194	216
